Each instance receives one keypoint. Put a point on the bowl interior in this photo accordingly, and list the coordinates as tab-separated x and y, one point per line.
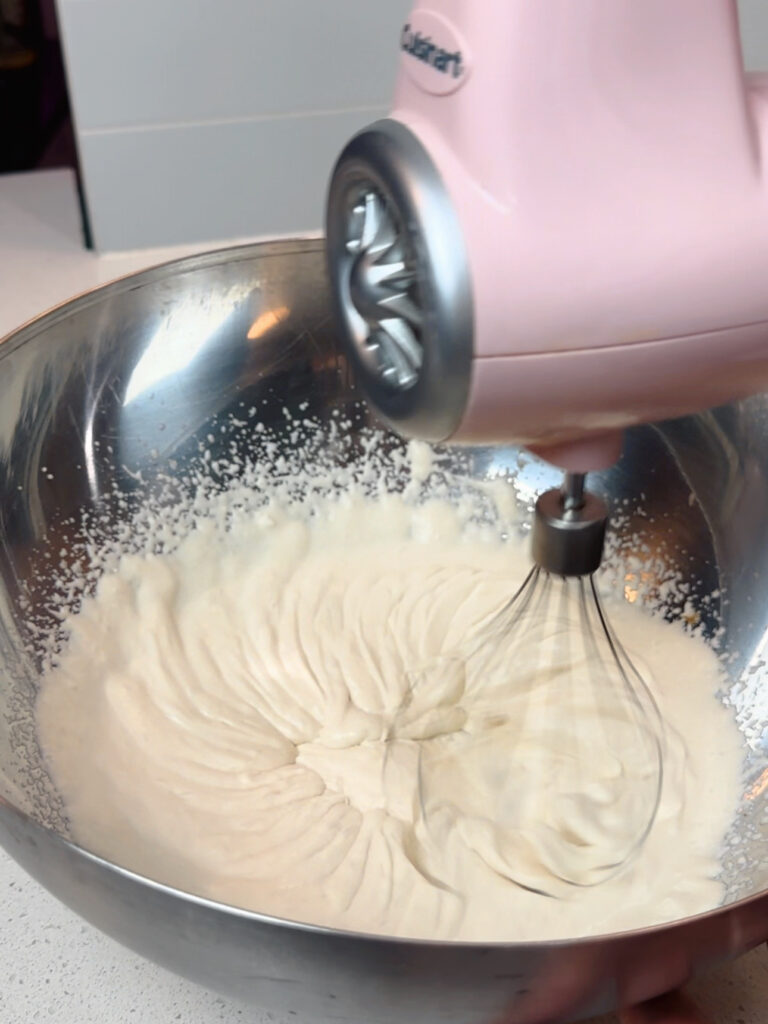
113	400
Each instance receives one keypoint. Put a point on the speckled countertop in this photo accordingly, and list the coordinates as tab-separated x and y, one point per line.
53	966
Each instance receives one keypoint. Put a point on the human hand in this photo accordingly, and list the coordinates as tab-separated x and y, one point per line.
670	1009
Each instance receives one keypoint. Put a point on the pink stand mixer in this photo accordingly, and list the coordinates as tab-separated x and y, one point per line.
560	231
562	227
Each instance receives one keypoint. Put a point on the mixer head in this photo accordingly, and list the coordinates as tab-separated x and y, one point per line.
547	251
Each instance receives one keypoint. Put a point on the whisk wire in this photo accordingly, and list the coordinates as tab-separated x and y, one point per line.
552	710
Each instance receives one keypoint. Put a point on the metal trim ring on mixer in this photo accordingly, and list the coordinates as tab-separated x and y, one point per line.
400	281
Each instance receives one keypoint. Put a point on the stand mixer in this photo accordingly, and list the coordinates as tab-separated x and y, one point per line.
562	227
561	230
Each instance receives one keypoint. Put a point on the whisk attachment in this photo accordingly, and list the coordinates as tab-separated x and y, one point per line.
552	771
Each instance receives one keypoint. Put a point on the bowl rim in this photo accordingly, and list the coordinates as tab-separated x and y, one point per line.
328	931
28	329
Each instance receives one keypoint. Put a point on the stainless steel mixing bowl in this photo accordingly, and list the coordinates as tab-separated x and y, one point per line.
114	390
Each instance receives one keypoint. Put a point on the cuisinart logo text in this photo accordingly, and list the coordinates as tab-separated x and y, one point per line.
428	52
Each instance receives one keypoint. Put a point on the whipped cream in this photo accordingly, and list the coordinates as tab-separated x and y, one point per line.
279	714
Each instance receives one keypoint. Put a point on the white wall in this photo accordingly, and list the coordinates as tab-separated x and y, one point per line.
203	120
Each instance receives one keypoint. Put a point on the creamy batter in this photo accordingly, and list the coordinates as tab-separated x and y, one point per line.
282	715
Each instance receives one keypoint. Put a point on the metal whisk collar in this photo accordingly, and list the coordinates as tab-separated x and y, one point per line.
569	529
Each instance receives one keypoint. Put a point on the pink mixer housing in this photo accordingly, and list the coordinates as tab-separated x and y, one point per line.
605	162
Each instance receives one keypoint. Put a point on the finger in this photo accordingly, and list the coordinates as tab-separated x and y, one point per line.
672	1009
